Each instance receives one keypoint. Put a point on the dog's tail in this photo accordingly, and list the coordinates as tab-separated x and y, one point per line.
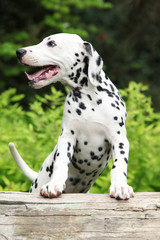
32	175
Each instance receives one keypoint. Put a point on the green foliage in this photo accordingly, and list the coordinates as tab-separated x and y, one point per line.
67	15
35	133
143	126
129	48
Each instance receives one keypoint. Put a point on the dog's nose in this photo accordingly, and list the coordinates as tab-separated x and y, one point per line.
20	53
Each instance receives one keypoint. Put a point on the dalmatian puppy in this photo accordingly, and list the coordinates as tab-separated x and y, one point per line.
93	126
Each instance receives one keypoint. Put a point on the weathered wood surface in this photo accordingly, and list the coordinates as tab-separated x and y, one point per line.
79	216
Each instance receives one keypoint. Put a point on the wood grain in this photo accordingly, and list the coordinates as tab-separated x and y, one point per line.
79	216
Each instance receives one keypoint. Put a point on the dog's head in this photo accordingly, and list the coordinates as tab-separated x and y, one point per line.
61	57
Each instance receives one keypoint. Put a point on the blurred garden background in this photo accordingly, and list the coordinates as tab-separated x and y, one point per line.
127	35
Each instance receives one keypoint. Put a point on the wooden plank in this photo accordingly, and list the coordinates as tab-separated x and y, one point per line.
79	216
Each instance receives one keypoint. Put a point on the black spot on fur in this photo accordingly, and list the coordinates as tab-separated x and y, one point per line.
121	145
113	167
112	88
36	183
78	111
87	174
98	78
122	103
121	123
80	161
69	145
122	152
54	157
78	73
69	155
99	101
76	94
75	164
93	75
89	183
88	47
100	89
89	97
50	169
82	106
107	78
100	149
126	160
75	181
113	105
72	132
99	60
83	183
85	69
93	156
117	97
84	82
82	171
75	64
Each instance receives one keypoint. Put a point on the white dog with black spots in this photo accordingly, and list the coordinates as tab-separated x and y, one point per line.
93	126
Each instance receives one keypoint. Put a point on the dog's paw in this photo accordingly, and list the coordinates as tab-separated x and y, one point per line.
51	190
121	191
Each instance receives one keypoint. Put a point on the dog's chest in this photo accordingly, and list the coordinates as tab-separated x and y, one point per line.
92	153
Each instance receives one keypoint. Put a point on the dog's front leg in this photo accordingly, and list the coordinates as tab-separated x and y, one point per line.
119	187
63	157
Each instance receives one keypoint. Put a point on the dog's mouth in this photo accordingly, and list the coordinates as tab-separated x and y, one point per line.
45	72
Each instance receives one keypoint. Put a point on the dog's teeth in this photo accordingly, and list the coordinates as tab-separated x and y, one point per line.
47	75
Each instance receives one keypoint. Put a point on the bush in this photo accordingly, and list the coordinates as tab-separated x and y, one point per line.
35	133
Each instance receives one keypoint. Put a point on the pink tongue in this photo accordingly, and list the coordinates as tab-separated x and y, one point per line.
44	73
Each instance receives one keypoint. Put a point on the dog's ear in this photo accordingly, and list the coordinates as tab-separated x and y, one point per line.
95	63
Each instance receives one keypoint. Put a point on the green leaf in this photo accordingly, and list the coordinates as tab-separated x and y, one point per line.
17	97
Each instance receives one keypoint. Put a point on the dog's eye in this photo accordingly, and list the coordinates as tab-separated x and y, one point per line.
51	44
